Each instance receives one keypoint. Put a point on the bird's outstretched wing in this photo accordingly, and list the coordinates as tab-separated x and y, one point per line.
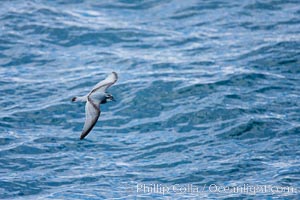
92	113
106	83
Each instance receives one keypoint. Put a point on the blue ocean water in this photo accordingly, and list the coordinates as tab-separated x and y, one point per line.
208	99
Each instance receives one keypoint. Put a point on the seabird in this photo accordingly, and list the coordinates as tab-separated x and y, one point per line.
93	99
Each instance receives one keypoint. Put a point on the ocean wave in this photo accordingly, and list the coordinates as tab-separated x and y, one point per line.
208	93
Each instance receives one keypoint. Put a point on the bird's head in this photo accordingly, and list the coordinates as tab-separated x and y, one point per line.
109	97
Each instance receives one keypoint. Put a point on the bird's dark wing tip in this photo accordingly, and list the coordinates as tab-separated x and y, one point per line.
82	136
73	99
116	75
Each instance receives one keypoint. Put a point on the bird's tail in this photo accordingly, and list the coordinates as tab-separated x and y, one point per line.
81	99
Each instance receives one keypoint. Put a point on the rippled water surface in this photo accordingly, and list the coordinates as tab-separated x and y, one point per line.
208	95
